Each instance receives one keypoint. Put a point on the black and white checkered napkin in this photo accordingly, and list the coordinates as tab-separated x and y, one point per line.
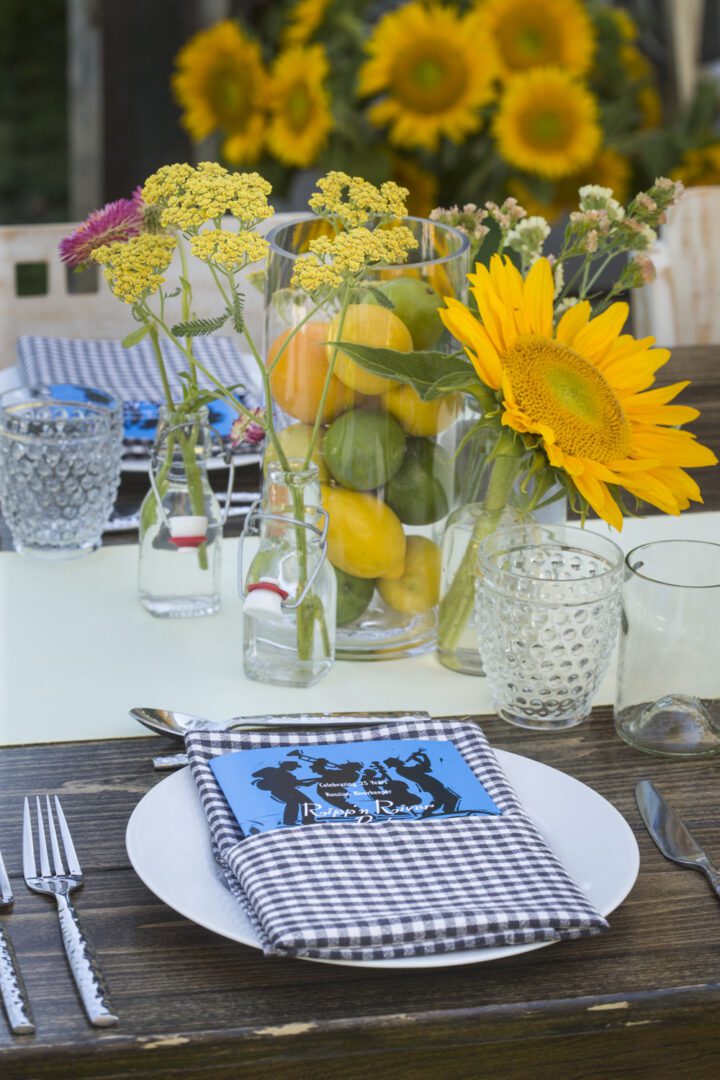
393	889
132	374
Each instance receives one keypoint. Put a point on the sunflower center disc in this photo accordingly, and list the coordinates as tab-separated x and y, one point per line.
555	386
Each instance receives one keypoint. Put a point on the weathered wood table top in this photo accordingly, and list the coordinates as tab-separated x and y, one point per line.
640	1001
643	999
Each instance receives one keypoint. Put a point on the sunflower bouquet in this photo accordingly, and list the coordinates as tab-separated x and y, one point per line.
471	99
566	397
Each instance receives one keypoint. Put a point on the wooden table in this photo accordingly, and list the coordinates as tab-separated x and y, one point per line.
641	1001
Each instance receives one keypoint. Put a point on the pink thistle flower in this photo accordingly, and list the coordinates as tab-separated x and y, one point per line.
246	430
117	221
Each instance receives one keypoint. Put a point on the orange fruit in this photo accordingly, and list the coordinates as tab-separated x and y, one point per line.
298	379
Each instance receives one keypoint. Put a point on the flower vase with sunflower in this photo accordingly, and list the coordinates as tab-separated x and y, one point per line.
566	397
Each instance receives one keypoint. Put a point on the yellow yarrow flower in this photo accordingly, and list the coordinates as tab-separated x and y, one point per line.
191	196
227	250
526	34
348	253
582	388
547	123
134	269
221	83
300	118
304	19
422	186
353	201
425	62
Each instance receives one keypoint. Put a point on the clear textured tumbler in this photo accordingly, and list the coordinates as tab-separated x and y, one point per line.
668	690
60	453
548	611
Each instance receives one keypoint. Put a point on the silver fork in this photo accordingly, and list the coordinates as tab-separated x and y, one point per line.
12	986
66	878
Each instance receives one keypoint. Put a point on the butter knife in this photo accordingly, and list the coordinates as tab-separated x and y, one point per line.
12	987
671	835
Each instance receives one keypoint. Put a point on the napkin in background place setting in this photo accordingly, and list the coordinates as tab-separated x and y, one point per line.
349	891
132	374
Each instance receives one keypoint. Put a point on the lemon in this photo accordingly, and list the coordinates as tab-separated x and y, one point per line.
420	417
365	538
366	324
295	440
418	589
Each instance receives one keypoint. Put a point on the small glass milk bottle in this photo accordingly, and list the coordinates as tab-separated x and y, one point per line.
289	591
181	522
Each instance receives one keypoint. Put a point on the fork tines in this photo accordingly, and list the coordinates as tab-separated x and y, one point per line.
70	866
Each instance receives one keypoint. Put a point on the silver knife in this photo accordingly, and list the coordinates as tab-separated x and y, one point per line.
671	835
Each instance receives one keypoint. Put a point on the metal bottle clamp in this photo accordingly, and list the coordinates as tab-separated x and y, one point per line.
227	458
255	514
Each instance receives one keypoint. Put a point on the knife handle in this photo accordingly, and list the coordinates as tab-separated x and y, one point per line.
12	989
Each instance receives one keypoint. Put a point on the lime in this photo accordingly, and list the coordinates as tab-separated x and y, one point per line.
416	303
353	596
417	490
364	449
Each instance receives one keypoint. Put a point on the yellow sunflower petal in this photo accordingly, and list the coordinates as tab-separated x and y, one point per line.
539	291
466	328
676	447
595	339
572	322
600	499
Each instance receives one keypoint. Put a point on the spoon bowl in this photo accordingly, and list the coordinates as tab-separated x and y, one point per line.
177	724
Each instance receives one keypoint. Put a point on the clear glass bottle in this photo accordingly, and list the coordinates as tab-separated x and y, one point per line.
289	591
457	646
180	522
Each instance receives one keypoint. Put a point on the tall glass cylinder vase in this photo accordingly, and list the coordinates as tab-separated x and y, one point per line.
180	522
386	458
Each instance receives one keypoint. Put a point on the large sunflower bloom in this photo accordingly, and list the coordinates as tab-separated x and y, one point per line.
300	118
583	389
527	34
547	123
426	63
220	83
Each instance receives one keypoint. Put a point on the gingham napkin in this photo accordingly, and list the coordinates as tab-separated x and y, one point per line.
132	374
393	889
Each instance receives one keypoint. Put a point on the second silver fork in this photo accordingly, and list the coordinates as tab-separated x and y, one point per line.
67	877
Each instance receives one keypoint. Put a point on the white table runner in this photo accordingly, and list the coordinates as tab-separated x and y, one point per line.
77	651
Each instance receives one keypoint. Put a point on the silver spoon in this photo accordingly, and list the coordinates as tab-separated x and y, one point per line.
177	724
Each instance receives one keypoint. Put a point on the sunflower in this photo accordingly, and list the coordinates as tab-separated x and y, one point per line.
300	118
609	169
699	168
547	123
220	82
582	389
304	19
425	60
527	34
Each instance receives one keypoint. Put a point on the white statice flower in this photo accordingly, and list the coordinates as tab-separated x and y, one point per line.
558	277
527	237
595	197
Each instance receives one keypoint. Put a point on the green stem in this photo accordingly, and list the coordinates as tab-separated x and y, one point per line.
457	605
328	378
187	307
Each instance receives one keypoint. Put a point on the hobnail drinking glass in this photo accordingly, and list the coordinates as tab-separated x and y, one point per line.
60	454
548	609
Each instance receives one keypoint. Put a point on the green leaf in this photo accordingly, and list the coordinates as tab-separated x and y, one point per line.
200	327
236	311
425	371
137	335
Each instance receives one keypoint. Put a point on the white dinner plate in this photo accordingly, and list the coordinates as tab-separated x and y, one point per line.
168	842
